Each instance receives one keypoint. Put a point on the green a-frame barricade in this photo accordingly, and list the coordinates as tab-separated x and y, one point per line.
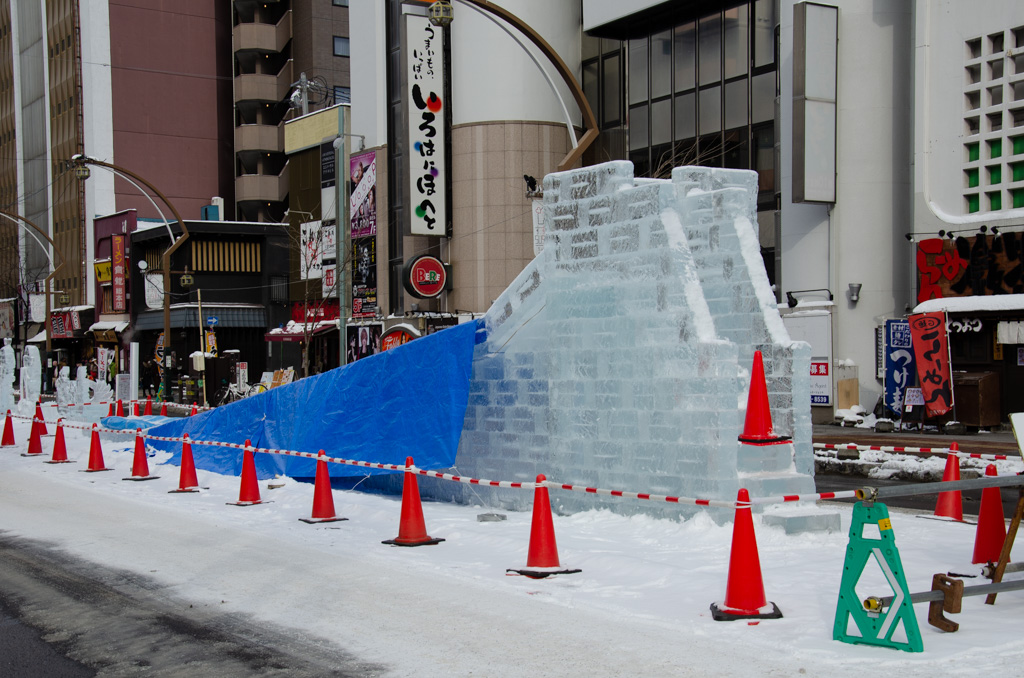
876	628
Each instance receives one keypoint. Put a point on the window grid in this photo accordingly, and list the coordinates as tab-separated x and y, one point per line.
993	122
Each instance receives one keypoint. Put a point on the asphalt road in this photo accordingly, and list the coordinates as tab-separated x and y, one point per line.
60	616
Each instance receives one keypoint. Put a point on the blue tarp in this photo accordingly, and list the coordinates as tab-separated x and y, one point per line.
132	423
408	401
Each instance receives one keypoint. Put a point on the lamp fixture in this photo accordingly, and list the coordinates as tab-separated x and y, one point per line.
791	300
441	13
855	292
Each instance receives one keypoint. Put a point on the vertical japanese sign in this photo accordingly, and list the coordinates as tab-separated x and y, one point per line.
899	365
821	381
310	250
428	175
364	278
117	271
931	349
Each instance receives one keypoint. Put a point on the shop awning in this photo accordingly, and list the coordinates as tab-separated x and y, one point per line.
105	325
187	315
973	304
38	339
297	332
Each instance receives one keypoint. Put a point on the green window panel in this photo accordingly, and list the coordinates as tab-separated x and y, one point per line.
972	151
995	174
1017	169
1018	145
972	177
973	203
995	201
1018	197
995	148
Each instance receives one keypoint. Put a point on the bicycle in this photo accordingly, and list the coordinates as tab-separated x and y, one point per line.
229	393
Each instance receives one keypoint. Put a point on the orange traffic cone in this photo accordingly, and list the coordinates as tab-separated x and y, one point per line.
249	491
120	408
412	531
8	437
195	410
323	500
163	409
111	412
135	408
42	420
149	406
187	481
988	540
140	465
35	447
96	454
950	504
542	558
60	450
744	590
757	426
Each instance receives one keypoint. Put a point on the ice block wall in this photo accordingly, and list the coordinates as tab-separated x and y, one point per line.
620	357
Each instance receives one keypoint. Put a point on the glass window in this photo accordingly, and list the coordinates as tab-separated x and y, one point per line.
340	3
736	143
610	92
661	122
661	64
736	104
685	39
709	104
638	135
735	41
637	71
589	46
710	41
341	47
762	97
710	151
590	85
342	95
764	160
686	116
764	32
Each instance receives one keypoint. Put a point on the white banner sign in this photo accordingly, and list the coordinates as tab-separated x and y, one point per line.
311	252
428	173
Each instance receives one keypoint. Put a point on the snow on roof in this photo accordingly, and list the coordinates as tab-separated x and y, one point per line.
990	302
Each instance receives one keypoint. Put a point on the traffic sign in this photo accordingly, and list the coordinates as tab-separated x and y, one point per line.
212	320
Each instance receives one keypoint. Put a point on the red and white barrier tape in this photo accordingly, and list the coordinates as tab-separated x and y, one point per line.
718	503
926	450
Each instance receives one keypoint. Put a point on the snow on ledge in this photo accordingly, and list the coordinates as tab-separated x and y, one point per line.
991	302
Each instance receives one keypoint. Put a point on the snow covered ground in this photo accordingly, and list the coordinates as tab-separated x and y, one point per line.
639	607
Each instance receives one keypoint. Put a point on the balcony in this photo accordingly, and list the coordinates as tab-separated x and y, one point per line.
259	138
261	187
260	87
263	37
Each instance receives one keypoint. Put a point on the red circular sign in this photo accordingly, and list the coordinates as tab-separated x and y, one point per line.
395	337
425	277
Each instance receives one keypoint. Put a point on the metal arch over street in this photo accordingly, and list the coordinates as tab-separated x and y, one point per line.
17	218
589	121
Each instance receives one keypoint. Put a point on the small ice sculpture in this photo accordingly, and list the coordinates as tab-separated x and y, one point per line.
31	380
6	377
65	391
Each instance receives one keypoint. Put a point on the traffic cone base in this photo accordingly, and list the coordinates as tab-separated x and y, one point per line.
185	490
412	531
8	437
744	591
249	492
59	461
542	556
313	521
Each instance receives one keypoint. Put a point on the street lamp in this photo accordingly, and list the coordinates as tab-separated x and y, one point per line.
64	298
79	163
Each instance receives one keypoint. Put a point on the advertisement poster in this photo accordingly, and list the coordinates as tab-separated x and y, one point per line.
821	382
364	278
362	341
6	319
899	364
931	349
310	251
363	202
425	129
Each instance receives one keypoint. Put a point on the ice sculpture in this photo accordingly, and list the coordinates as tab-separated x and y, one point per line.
620	357
31	380
6	377
65	391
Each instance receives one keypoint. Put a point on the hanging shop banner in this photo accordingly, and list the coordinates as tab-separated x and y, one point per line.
363	202
970	266
117	269
310	251
899	365
7	319
425	118
362	341
329	282
931	349
364	278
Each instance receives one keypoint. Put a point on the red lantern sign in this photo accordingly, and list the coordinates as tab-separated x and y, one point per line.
424	277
